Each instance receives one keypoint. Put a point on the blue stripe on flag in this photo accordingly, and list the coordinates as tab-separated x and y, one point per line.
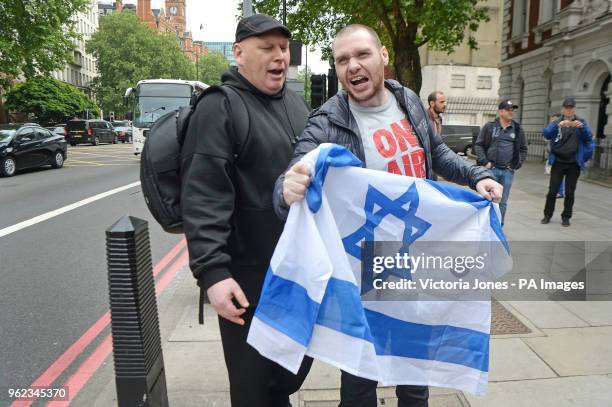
286	306
292	312
463	195
334	156
459	194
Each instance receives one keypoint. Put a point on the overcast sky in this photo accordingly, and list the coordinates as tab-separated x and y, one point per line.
218	18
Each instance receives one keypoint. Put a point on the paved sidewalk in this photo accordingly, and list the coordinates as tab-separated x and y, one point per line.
566	359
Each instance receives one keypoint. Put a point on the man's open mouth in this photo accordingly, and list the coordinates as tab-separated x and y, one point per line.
275	71
358	80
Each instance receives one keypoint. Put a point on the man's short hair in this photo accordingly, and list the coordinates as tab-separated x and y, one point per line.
433	96
355	27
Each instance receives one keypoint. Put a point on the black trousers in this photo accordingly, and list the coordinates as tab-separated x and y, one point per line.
254	380
359	392
571	172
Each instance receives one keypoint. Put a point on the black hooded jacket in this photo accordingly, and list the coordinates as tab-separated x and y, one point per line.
228	180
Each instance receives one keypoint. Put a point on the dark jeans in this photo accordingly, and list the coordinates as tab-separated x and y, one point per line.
358	392
571	172
254	380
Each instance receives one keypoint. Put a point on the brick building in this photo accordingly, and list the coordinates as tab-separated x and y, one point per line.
172	19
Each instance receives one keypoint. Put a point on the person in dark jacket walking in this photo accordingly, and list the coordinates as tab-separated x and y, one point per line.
571	147
501	147
386	126
227	184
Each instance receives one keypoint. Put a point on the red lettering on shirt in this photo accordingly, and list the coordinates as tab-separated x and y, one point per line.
410	159
414	164
404	134
381	135
393	168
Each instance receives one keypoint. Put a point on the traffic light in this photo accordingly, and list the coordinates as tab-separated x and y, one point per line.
317	90
332	82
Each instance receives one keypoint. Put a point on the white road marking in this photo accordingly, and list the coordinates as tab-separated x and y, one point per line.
46	216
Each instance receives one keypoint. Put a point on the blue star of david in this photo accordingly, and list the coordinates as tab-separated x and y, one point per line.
403	208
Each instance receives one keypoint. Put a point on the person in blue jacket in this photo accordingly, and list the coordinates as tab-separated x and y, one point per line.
561	193
571	147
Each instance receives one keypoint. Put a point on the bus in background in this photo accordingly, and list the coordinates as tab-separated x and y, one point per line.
154	98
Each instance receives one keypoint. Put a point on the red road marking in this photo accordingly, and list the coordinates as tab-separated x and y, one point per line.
76	382
89	366
169	256
61	364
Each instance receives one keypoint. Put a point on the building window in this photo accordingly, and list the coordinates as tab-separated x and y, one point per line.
520	22
457	81
548	9
484	82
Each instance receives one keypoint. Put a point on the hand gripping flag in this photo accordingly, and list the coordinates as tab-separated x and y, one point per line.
312	303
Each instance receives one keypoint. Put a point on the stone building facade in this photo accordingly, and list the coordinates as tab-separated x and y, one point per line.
553	49
469	78
82	69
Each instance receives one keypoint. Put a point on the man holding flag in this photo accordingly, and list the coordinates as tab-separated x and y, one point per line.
386	127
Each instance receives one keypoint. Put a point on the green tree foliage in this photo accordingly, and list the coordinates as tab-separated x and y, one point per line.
36	36
49	100
304	76
128	51
403	25
211	67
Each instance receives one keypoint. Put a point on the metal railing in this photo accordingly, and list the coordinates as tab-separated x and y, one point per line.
537	146
599	167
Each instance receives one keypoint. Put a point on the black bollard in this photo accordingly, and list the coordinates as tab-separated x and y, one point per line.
139	365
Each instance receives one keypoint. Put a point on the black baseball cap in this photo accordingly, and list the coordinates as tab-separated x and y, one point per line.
259	24
569	102
507	104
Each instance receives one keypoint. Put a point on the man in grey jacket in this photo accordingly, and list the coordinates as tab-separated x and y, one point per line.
386	126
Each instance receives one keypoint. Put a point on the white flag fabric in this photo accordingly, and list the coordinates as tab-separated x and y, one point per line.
311	300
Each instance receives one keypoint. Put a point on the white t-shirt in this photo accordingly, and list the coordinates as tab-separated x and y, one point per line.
389	142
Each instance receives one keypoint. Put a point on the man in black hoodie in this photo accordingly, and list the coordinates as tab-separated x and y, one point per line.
228	177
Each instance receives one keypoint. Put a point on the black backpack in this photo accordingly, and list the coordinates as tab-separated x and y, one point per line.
160	162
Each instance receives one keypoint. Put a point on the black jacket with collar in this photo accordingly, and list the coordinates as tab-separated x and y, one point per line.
486	145
228	218
333	122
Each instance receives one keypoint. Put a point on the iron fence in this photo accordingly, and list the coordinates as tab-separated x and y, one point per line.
599	167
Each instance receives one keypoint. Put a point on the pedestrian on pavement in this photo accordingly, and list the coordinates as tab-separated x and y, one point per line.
548	166
227	184
571	148
368	110
437	105
501	146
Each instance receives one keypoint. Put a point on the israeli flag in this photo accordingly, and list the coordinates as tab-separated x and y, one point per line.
312	303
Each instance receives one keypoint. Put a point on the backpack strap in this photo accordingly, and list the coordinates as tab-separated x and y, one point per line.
241	119
241	122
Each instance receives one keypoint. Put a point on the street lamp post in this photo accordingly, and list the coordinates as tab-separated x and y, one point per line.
247	8
197	66
156	12
285	13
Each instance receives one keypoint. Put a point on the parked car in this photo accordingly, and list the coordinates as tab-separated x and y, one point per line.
122	123
460	137
124	134
89	131
28	146
59	129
